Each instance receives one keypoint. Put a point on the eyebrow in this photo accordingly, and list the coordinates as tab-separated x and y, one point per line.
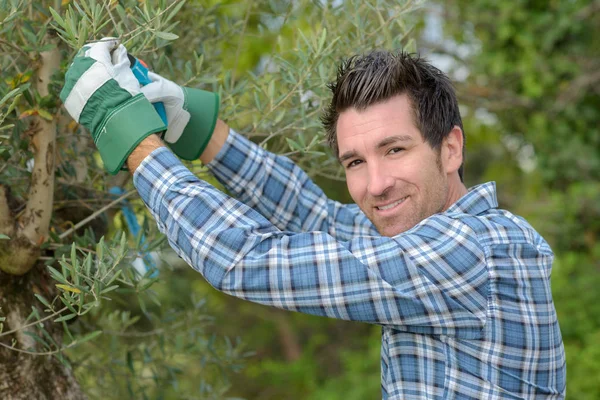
385	142
393	139
347	155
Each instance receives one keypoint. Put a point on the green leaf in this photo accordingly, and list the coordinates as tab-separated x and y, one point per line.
3	236
30	36
43	300
67	301
11	17
74	265
130	362
174	11
57	17
257	101
73	254
45	114
88	337
109	289
86	8
38	339
123	245
82	33
115	276
293	145
121	11
322	40
146	283
280	116
67	331
166	35
87	263
142	304
66	317
100	249
56	275
11	94
271	89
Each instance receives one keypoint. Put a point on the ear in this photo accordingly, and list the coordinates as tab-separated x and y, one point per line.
452	150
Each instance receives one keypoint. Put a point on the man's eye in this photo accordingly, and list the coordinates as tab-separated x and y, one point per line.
395	150
353	163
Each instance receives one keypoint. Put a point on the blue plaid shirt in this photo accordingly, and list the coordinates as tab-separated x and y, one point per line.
463	297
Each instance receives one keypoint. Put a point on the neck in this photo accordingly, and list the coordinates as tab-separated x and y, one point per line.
456	190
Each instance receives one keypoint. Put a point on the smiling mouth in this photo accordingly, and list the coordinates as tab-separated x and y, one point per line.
392	205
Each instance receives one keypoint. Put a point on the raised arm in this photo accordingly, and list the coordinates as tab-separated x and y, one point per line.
433	280
281	191
271	184
405	282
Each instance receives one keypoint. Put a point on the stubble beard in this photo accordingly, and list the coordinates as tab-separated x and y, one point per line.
397	225
434	201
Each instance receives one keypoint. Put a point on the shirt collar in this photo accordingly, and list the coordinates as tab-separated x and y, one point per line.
479	199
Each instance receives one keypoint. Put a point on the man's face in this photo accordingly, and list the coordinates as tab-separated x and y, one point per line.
393	175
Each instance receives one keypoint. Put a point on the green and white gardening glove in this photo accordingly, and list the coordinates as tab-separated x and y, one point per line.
102	94
191	115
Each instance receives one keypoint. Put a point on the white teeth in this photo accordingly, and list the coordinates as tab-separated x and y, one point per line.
391	205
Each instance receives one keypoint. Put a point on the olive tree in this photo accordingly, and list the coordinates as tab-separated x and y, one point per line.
77	319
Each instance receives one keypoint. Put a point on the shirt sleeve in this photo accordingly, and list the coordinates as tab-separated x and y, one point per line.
431	281
282	192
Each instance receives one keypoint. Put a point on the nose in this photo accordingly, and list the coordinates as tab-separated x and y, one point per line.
380	179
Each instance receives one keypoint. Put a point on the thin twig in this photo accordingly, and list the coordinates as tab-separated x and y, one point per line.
12	45
340	178
94	215
54	314
154	332
288	126
239	46
33	353
44	353
107	7
148	23
58	246
290	93
285	18
82	202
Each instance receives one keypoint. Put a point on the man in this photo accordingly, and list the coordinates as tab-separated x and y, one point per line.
460	287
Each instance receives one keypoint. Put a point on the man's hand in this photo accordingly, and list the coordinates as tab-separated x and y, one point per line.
102	94
191	115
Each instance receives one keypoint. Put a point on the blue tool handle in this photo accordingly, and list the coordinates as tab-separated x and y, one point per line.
140	70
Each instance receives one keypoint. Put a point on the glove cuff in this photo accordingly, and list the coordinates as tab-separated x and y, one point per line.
124	128
203	107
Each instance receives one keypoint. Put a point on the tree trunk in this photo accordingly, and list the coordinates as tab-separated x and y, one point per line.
23	375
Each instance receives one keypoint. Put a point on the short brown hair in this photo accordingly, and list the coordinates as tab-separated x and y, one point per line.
365	80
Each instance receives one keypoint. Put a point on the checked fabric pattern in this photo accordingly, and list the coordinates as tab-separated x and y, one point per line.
463	298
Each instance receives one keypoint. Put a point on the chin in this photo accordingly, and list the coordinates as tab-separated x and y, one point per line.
391	231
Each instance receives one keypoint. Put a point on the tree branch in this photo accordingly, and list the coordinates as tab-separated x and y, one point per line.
241	39
587	11
6	221
36	322
95	214
35	221
577	88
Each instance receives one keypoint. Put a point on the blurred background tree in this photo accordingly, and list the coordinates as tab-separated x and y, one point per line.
528	83
529	80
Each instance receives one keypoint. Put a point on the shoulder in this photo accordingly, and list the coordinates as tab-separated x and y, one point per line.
499	227
443	237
